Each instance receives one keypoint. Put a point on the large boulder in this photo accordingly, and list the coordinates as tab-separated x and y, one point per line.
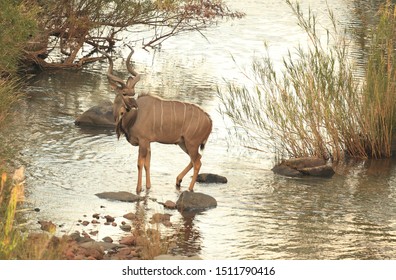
194	201
98	116
298	167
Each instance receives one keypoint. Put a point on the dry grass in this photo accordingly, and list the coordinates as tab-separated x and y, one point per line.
315	105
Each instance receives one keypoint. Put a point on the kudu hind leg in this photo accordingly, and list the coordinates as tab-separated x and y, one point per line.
143	161
196	162
180	177
182	174
195	157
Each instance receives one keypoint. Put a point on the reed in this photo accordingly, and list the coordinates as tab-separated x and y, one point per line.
10	195
315	105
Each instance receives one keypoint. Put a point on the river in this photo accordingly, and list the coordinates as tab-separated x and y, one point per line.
259	215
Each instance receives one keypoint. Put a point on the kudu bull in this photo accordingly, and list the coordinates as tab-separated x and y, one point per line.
149	119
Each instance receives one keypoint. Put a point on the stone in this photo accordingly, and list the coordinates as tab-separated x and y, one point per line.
107	239
169	204
304	162
286	171
119	196
211	178
324	171
109	219
96	216
305	166
130	216
193	201
98	116
47	226
126	227
128	240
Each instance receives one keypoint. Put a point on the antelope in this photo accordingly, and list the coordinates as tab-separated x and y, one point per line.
149	118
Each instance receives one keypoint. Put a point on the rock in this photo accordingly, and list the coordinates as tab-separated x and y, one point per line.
98	245
76	236
169	204
211	178
47	226
305	166
304	162
128	240
193	201
99	116
286	171
120	196
126	227
109	219
85	223
324	171
107	239
96	216
130	216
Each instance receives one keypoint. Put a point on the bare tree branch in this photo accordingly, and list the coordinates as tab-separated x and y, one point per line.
71	27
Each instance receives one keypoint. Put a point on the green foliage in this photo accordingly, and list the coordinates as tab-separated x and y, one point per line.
315	105
17	26
379	90
8	95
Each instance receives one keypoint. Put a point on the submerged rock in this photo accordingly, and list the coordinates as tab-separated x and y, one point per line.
286	171
120	196
324	171
192	201
298	167
99	116
168	204
211	178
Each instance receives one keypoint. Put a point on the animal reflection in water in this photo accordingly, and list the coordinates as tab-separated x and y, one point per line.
149	119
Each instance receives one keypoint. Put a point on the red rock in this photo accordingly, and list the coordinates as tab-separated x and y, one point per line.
130	216
170	204
109	219
128	240
96	216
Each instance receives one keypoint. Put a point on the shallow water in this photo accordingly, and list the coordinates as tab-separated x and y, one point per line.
259	215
